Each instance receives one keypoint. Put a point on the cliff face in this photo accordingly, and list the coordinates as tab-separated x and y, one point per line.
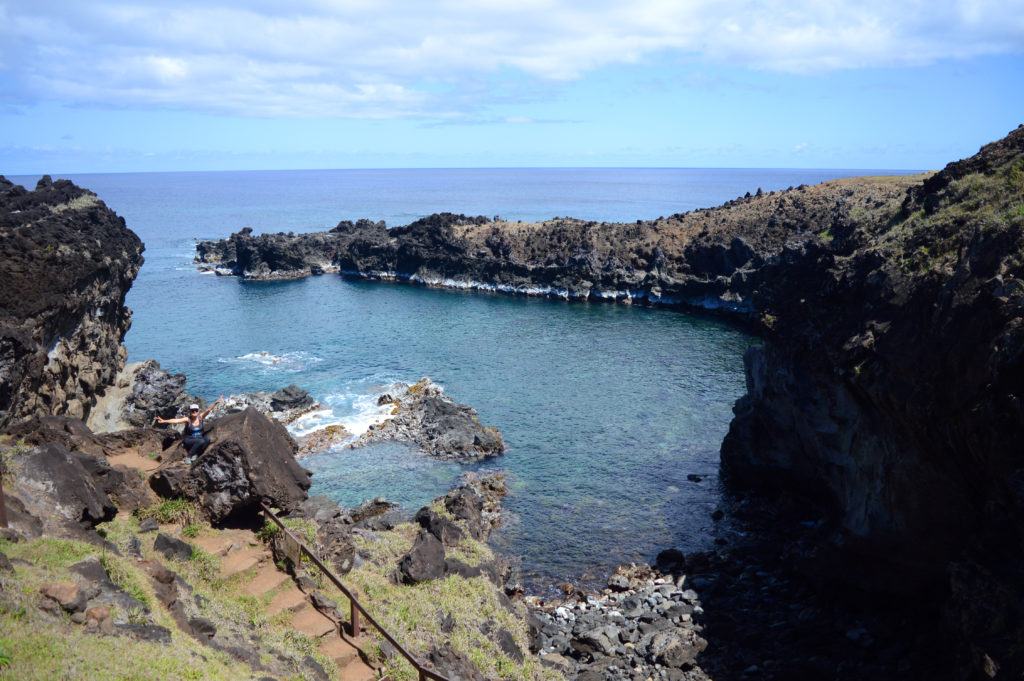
891	379
890	388
66	263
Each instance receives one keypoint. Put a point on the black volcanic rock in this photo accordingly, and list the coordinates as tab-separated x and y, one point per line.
62	492
251	459
889	392
156	392
66	263
423	415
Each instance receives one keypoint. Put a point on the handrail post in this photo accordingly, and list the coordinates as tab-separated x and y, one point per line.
356	628
3	503
423	674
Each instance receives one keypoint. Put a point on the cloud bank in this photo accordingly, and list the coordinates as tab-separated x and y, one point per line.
399	58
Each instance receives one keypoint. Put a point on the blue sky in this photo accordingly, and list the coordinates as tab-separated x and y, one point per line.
126	85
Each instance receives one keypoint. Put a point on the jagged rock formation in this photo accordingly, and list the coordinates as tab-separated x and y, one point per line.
424	416
706	258
66	263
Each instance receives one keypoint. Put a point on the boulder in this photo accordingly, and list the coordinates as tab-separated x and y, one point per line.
424	561
443	528
68	595
677	647
508	645
334	532
251	459
451	664
291	397
156	392
57	489
172	547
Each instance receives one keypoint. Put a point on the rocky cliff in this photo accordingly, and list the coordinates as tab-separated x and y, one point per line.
887	392
889	389
705	258
66	263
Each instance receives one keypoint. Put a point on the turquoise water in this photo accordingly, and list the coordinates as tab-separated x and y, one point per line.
606	409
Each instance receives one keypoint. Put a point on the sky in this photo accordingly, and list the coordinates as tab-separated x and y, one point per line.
155	85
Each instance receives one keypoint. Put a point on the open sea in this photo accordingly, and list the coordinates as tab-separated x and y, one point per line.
606	409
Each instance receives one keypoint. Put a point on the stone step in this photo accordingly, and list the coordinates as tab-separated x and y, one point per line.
339	650
291	600
356	670
241	561
266	580
218	545
310	622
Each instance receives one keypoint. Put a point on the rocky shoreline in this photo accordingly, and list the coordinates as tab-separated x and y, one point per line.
424	416
879	436
887	389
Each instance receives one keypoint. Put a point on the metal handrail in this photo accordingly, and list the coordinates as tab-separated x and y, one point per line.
357	608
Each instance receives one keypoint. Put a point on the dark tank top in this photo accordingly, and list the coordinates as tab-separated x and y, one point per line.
194	431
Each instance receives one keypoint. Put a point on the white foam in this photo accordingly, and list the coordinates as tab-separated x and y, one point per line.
288	361
708	302
355	410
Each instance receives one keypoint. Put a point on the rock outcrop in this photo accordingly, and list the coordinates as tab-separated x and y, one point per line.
424	416
251	459
155	392
69	491
66	263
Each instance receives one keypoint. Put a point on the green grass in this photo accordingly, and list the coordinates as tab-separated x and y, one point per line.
172	511
40	646
411	613
54	554
123	574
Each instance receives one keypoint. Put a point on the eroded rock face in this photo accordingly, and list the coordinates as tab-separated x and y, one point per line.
155	392
66	263
251	459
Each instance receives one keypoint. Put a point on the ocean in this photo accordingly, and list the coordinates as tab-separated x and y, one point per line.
613	414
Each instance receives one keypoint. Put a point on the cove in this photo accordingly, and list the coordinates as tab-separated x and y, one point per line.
606	409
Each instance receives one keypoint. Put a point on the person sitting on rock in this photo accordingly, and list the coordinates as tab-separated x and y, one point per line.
195	442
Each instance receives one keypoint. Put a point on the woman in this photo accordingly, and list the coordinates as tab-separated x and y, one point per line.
195	442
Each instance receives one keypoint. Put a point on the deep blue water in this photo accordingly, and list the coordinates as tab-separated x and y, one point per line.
606	408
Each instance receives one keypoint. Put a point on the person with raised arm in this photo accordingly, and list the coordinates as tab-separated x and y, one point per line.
195	442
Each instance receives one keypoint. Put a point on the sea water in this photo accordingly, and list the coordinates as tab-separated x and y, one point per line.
613	415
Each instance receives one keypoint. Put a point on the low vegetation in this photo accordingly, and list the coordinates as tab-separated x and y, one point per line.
36	645
413	614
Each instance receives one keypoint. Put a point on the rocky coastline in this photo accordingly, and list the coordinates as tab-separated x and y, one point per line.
117	492
873	463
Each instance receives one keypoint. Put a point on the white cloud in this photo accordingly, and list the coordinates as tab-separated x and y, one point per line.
375	59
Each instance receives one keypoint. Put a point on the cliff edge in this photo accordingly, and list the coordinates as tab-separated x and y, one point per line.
66	264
